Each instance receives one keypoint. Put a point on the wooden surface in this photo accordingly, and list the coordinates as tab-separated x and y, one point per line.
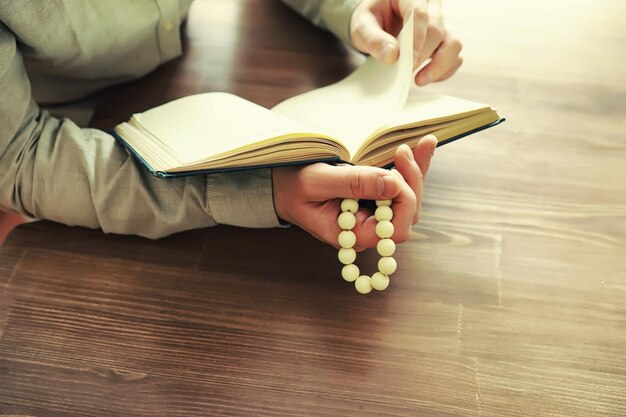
509	299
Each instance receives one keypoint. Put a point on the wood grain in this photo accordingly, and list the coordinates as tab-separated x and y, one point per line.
508	300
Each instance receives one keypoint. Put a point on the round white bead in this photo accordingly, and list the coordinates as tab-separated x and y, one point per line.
350	204
383	213
363	284
380	281
347	256
387	265
384	229
346	220
385	247
350	272
347	239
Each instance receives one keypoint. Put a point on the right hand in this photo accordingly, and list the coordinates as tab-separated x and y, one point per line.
310	196
375	24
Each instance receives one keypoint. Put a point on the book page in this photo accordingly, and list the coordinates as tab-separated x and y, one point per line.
212	124
424	107
381	151
354	107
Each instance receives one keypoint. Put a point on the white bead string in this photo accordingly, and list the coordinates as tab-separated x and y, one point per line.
385	247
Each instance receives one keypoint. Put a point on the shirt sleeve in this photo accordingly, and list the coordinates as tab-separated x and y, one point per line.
333	15
52	169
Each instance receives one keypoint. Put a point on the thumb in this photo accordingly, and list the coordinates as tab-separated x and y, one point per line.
369	37
361	182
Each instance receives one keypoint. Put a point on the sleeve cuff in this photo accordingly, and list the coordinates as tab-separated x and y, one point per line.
336	15
243	199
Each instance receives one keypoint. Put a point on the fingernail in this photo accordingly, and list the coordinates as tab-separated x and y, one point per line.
386	186
425	79
385	55
433	147
409	153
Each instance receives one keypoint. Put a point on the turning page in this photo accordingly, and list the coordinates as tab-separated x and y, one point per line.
351	109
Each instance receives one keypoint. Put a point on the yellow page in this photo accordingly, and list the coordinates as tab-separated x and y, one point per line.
425	107
360	103
206	125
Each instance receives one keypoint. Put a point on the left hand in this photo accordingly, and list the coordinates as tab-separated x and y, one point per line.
310	196
375	24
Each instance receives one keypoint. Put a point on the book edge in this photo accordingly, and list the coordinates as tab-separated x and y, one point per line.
462	135
165	175
162	174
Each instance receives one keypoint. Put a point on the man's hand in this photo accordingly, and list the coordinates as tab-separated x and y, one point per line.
376	23
310	196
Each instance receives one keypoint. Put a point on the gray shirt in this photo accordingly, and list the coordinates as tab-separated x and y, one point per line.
52	169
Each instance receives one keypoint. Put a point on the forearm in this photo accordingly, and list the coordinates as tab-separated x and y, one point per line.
57	171
333	15
52	169
83	177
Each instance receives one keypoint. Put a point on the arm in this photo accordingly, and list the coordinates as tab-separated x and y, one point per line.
371	26
333	15
308	196
52	169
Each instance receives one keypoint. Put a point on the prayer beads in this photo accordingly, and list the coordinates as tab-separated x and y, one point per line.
385	247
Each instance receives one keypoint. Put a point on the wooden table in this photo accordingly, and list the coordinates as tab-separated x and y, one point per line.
509	299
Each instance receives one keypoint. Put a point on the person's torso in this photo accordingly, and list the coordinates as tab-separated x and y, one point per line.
74	47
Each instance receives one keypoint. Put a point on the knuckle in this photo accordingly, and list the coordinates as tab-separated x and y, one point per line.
456	45
357	36
419	175
356	182
420	13
436	33
360	36
435	19
374	43
359	29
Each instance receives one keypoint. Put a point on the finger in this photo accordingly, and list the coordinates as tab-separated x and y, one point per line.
435	13
451	71
323	223
443	60
368	36
405	163
325	182
424	151
404	207
434	37
419	10
365	230
324	226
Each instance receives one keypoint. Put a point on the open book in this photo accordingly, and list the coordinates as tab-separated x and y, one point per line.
360	120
